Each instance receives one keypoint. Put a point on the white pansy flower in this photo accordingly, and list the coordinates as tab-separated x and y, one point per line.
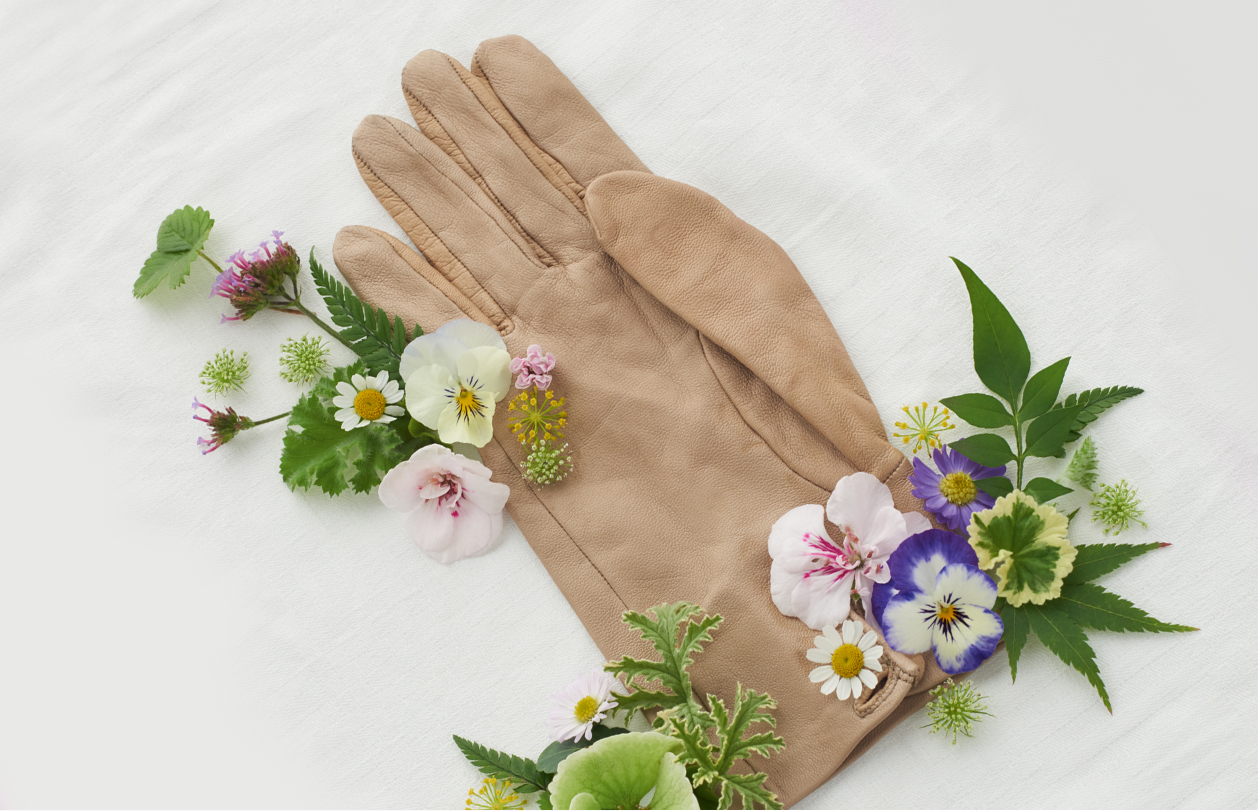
453	378
367	400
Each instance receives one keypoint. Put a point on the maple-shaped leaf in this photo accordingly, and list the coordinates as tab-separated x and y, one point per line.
1091	606
1063	636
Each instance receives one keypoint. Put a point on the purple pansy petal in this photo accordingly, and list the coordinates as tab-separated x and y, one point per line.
918	561
883	592
968	642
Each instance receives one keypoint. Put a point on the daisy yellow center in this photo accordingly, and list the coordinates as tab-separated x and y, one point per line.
586	709
369	404
467	402
847	661
946	612
958	488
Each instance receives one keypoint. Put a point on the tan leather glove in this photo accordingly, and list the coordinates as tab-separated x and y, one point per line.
707	391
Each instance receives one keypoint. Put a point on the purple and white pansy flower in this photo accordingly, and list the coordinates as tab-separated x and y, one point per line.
938	599
814	577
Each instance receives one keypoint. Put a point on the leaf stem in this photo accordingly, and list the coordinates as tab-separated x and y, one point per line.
256	423
201	253
1017	436
334	333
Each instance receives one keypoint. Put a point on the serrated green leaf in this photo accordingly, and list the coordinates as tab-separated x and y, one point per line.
1045	490
990	450
543	801
1017	629
171	268
751	787
1046	435
322	453
369	331
996	486
492	763
979	410
676	646
1091	606
1061	635
1082	467
554	754
184	230
1095	559
1092	403
1001	357
1042	389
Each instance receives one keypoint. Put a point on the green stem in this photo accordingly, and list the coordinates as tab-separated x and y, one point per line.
334	333
256	423
211	261
1017	435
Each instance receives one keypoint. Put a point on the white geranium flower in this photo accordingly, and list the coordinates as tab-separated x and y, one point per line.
453	378
851	660
367	400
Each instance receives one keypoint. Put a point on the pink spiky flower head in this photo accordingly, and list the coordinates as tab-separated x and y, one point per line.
250	282
224	426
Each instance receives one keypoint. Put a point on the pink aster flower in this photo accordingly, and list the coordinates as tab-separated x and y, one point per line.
253	284
533	369
452	509
814	577
580	705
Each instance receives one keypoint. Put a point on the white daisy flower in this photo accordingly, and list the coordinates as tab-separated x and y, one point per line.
581	705
851	660
368	400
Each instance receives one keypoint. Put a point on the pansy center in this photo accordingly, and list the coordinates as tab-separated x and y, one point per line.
946	613
847	660
467	402
586	709
958	488
369	404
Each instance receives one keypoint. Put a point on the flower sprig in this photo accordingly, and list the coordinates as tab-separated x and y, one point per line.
955	709
225	371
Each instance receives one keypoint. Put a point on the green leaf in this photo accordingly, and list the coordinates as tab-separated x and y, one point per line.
1001	357
1095	559
1045	490
1092	403
996	486
492	763
1042	389
1082	467
543	801
1061	635
712	762
677	638
618	772
990	450
322	453
554	754
179	237
979	410
1017	629
377	341
1091	606
1025	544
186	229
1046	435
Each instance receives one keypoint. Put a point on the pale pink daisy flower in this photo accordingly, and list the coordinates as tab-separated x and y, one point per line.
581	705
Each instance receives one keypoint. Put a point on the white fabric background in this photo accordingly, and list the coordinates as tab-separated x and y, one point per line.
178	630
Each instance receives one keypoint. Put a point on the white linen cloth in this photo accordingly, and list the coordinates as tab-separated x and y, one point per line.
179	630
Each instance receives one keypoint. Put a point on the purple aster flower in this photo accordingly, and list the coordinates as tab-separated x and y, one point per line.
951	495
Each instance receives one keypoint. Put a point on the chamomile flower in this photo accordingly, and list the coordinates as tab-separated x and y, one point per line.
581	705
368	400
850	660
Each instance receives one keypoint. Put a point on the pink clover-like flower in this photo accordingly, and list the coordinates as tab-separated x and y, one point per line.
533	369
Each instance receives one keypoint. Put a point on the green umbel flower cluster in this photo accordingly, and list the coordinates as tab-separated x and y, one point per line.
225	372
955	709
547	464
1115	506
304	359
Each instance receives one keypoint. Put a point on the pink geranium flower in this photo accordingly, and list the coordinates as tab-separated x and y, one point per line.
452	509
812	576
533	369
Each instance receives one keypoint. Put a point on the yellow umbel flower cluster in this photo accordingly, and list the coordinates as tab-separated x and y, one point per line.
922	430
537	416
494	794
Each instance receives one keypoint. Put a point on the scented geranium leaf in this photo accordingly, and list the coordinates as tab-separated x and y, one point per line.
989	450
979	410
1046	435
995	486
677	637
554	754
1001	357
752	789
1091	403
1025	545
186	229
1045	490
1082	467
1042	389
521	771
1095	559
1091	606
319	452
1017	629
621	772
1061	635
376	339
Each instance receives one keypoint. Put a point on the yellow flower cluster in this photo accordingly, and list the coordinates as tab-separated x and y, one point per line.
537	416
923	430
494	794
